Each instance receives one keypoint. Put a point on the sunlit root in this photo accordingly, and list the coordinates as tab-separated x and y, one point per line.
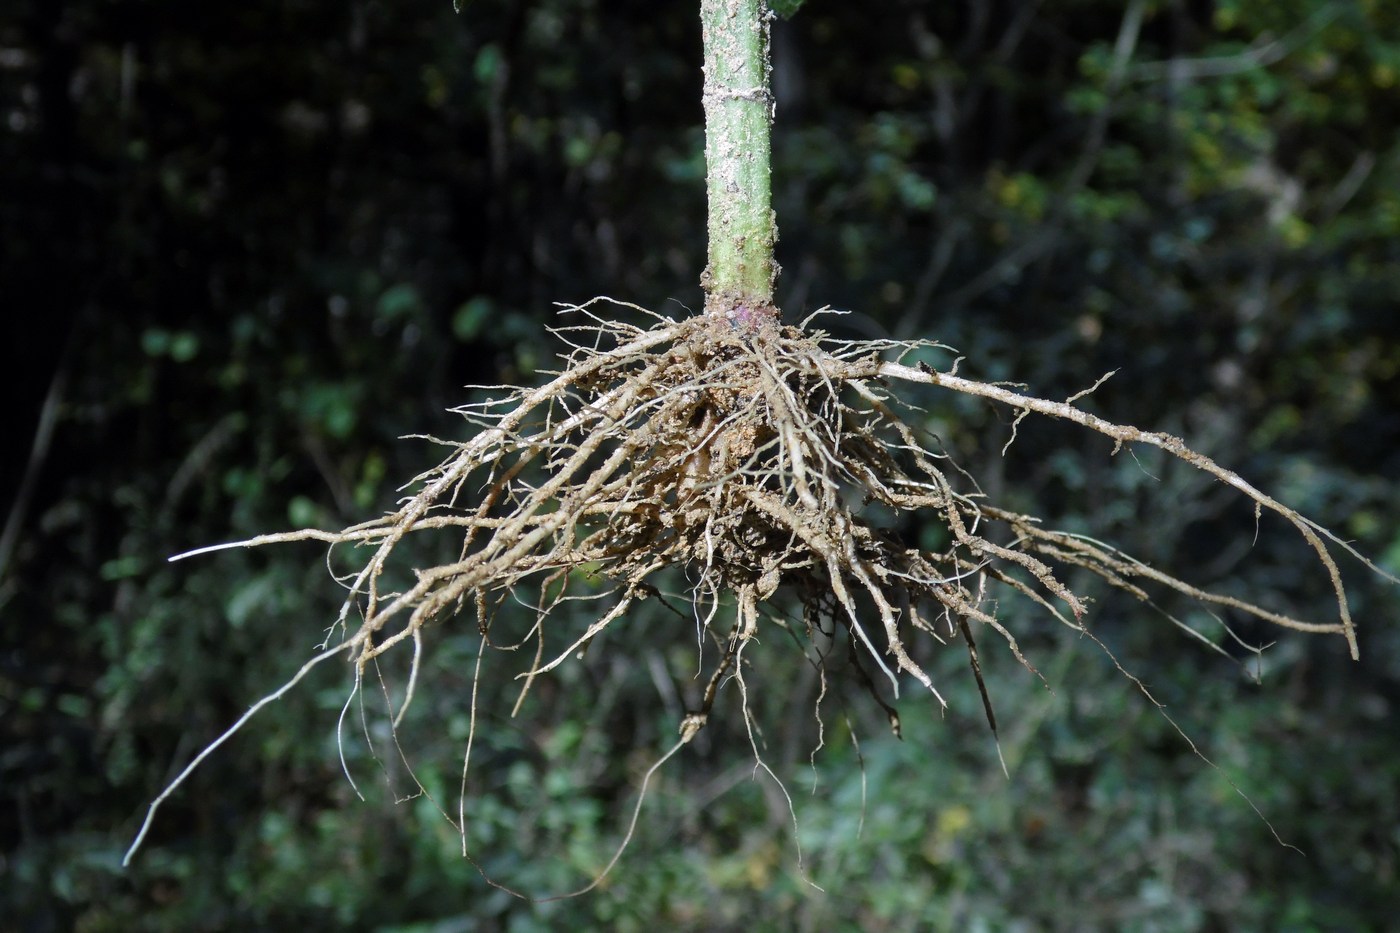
748	454
757	459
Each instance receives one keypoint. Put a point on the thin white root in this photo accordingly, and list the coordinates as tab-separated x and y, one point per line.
212	746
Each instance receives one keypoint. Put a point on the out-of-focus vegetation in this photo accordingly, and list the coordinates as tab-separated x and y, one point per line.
246	246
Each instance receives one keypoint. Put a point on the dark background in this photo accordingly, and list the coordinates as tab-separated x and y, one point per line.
245	247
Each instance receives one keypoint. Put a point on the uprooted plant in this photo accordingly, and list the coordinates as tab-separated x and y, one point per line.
756	457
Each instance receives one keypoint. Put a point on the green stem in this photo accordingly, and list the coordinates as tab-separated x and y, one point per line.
738	153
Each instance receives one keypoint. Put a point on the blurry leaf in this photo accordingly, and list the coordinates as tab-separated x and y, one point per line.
302	512
469	319
371	475
578	151
398	301
180	346
155	341
917	193
254	597
786	8
1390	559
333	406
122	568
184	346
79	707
242	483
487	64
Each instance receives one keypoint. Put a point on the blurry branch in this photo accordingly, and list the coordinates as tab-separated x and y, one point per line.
1259	55
1016	31
947	110
940	255
1006	268
1346	189
334	478
38	453
1123	48
1042	243
200	456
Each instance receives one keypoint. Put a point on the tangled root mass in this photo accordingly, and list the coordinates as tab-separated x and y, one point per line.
749	454
773	467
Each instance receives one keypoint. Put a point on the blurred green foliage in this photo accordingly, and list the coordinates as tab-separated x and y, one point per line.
248	246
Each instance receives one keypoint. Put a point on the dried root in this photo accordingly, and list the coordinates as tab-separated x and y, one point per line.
749	454
756	458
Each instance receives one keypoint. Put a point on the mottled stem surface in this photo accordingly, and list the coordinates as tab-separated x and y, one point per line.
738	153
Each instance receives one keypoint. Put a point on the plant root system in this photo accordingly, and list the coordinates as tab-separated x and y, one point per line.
774	468
753	456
